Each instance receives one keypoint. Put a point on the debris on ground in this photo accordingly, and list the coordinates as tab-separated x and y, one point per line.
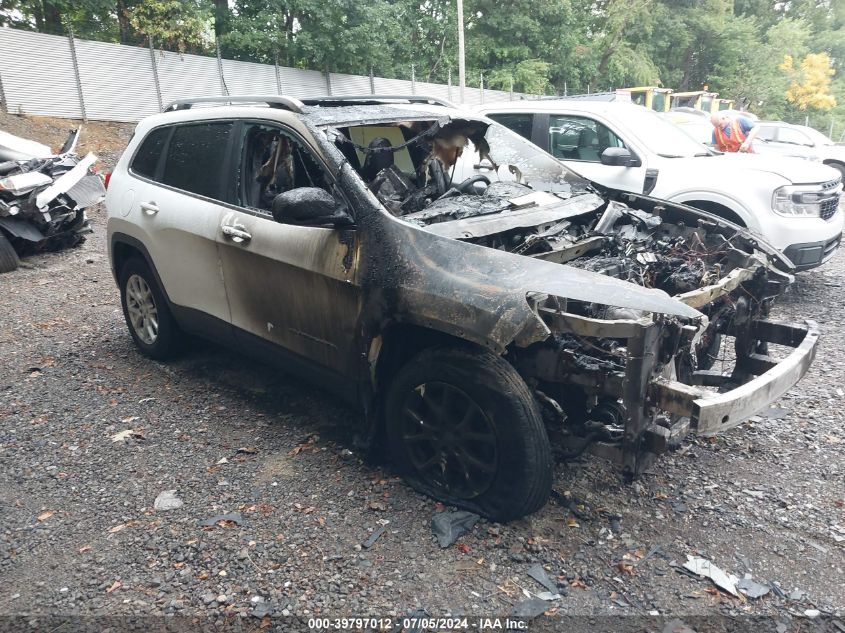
448	527
167	500
261	609
797	594
126	434
706	569
372	538
751	588
539	574
224	519
530	608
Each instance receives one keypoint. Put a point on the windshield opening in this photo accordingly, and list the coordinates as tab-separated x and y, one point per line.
409	165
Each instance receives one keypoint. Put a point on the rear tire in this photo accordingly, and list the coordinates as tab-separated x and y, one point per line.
8	257
147	314
463	427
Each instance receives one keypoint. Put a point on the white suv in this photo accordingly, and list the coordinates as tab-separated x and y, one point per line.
473	321
792	203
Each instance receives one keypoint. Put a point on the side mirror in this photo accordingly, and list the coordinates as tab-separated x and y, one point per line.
310	206
618	157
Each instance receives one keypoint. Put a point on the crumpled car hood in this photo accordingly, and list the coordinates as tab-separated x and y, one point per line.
518	274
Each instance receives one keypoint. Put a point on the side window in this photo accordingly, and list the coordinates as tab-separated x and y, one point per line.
195	158
788	135
272	162
519	123
579	138
766	133
147	157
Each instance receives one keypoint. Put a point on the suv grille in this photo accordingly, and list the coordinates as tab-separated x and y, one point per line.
828	207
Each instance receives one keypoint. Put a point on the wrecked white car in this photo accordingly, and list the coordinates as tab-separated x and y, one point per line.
478	320
43	197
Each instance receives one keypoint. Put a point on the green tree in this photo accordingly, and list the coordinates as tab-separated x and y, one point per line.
182	25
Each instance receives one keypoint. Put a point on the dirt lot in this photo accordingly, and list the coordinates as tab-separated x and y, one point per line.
79	534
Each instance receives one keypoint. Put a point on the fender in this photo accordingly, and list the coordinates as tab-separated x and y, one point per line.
717	197
122	238
22	229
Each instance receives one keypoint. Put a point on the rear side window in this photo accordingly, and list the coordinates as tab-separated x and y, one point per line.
146	160
195	158
519	123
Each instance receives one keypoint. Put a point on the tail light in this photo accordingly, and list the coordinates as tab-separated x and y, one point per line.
107	179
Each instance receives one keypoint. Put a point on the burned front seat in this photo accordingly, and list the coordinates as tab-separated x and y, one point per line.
389	183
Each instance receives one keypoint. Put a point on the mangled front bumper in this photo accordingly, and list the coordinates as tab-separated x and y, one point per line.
710	412
658	408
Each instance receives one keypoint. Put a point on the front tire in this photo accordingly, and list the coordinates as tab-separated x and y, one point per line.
147	314
463	427
8	256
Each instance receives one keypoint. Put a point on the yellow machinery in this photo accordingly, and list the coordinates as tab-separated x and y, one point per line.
651	97
698	99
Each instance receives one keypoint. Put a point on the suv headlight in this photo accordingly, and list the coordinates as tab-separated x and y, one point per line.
799	200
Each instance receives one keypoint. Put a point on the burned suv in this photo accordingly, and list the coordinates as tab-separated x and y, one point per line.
479	302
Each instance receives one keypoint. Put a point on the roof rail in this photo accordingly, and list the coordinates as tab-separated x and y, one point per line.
344	100
274	101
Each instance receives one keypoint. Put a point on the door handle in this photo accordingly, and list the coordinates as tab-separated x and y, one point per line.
236	232
150	208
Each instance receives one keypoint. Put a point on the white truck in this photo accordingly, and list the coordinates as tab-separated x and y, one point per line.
792	203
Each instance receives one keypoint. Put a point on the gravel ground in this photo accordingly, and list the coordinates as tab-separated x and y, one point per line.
91	433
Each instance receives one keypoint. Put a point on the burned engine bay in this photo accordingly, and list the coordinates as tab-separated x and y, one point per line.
625	383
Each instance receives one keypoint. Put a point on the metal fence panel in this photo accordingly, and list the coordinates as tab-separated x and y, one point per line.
184	76
350	84
37	73
117	81
392	86
249	78
302	83
437	90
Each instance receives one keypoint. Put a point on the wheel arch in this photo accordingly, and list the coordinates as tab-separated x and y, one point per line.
398	343
123	247
836	164
719	209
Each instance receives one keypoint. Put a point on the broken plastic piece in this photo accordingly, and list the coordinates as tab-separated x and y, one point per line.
752	588
372	538
530	608
706	569
539	574
167	500
448	527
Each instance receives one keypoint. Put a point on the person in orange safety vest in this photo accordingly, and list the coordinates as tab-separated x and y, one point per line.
733	134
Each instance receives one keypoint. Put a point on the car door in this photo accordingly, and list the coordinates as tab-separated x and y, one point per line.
579	140
293	287
177	194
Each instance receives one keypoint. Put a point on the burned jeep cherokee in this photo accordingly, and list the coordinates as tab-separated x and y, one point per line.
480	303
